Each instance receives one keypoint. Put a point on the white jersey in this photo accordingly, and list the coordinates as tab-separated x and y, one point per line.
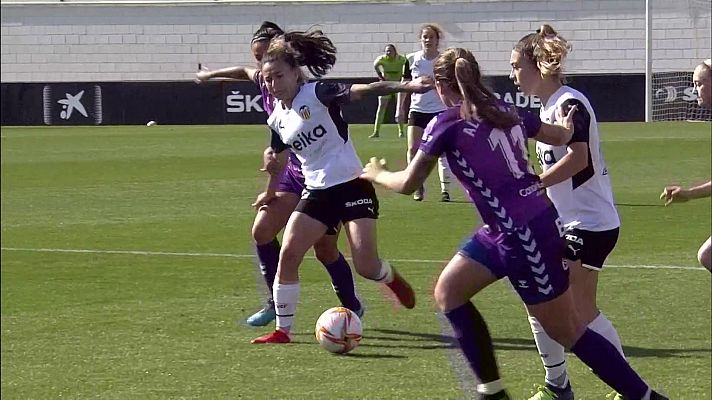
316	132
584	201
428	102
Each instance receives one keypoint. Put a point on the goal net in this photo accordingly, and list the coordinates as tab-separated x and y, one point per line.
674	98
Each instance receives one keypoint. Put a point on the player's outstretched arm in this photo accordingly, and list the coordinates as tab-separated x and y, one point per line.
560	133
406	181
676	194
236	73
382	88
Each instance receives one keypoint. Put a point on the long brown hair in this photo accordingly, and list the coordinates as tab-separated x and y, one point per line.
460	70
546	49
311	49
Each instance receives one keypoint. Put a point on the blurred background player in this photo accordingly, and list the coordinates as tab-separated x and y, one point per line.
485	143
425	106
272	218
702	80
389	67
577	182
307	118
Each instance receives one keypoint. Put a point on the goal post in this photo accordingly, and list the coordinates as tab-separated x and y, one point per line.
669	92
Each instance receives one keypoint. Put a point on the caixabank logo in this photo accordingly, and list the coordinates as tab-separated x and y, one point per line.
72	104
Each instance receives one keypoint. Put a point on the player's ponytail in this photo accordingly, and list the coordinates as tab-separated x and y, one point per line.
266	32
459	69
304	49
546	49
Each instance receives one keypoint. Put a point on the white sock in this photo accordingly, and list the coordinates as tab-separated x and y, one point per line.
490	387
604	327
385	275
286	297
552	355
444	172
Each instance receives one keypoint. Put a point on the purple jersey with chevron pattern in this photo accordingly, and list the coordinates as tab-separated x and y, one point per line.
294	166
492	164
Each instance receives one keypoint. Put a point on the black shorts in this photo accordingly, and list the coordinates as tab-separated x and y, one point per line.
420	119
345	202
592	248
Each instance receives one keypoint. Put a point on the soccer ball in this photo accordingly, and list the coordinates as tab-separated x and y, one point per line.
338	330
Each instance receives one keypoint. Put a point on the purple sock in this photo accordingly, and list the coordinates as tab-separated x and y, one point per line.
606	362
475	341
268	255
343	281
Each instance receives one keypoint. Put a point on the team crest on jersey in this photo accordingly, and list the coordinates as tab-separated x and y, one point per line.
304	112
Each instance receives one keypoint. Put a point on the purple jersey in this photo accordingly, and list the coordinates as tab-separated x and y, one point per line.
492	164
294	166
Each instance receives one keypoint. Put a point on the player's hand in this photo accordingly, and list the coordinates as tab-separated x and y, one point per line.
373	168
567	121
203	75
270	163
421	84
674	194
263	199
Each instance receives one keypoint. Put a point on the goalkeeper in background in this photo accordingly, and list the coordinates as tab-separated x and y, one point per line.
389	67
702	79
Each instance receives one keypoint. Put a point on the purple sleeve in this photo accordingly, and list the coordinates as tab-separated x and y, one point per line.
334	93
436	137
531	123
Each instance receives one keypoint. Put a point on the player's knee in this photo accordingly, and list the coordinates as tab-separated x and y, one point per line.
326	252
564	331
261	233
445	298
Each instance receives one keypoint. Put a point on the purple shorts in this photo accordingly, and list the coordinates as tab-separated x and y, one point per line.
532	257
291	181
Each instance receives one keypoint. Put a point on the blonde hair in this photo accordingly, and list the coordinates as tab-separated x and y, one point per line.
546	49
460	70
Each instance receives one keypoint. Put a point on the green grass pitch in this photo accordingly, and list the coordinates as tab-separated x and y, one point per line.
152	308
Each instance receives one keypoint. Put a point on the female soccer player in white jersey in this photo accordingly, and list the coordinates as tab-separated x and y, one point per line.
307	119
577	182
485	142
702	79
425	106
272	217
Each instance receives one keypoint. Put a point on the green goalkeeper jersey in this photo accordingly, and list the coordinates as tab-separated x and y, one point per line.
392	68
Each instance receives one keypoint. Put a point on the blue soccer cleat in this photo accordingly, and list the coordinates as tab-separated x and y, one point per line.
262	317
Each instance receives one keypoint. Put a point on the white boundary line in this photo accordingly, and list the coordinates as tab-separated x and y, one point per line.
250	256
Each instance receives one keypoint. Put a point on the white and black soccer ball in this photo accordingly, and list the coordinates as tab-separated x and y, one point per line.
338	330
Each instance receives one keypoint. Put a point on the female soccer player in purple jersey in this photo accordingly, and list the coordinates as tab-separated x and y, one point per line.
273	213
485	144
577	181
307	119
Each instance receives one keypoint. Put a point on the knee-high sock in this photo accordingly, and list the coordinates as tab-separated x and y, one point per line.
342	280
476	345
268	256
444	172
606	362
605	328
552	355
286	297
